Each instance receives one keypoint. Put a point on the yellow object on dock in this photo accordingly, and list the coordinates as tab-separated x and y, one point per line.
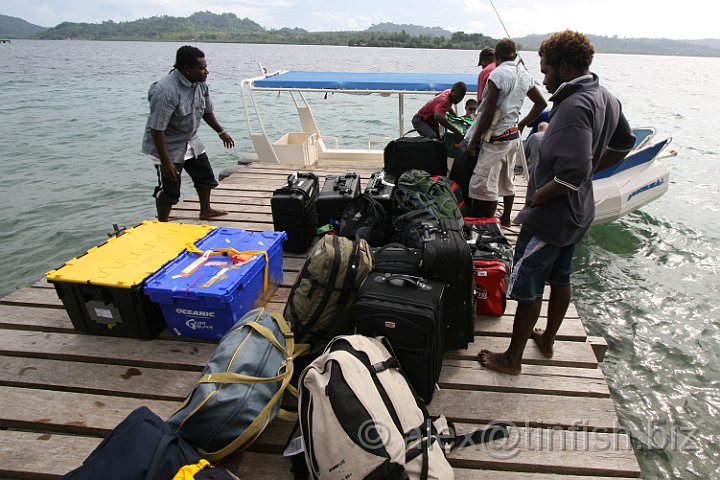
127	260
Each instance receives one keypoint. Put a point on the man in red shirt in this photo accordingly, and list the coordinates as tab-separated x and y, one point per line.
427	120
487	62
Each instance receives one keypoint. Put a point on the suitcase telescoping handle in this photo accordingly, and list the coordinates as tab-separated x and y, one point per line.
399	280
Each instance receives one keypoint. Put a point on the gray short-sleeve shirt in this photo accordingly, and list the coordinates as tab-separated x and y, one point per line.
177	107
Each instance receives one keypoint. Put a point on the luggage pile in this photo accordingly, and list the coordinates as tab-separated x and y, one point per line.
395	279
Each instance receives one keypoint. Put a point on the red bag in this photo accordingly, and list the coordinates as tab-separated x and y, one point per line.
489	276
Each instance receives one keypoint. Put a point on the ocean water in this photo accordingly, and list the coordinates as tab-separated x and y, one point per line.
73	115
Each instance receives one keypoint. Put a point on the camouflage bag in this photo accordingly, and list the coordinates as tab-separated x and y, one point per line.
322	297
418	190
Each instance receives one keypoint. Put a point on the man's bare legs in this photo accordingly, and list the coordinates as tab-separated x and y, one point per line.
484	208
206	211
508	201
557	307
526	317
510	361
163	210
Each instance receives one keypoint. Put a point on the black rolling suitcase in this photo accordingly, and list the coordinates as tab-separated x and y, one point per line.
380	187
293	211
336	193
447	258
407	310
422	153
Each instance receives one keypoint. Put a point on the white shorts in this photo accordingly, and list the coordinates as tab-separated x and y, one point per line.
493	174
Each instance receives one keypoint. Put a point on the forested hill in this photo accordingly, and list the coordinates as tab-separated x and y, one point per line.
13	27
651	46
227	27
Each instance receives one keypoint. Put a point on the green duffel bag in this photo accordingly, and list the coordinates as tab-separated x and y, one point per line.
418	190
241	387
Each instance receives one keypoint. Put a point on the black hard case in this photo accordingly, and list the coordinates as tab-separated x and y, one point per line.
398	258
407	310
336	193
447	258
422	153
380	187
294	210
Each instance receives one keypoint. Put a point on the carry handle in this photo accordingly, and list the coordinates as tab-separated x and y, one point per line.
292	178
396	245
399	280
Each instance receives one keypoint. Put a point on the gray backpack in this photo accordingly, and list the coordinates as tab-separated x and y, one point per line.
360	419
320	301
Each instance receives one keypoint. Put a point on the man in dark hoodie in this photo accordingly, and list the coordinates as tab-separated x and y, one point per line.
587	132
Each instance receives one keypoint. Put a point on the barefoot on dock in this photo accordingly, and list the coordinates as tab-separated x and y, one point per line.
545	348
498	362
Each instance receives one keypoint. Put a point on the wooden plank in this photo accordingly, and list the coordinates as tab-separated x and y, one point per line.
553	451
487	473
40	455
62	453
525	409
567	353
96	415
40	318
539	380
67	412
189	356
97	378
599	346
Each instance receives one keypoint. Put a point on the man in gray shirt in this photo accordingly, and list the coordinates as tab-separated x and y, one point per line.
587	132
177	104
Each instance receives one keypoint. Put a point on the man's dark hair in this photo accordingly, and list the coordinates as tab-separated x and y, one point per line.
187	56
572	47
460	87
487	53
505	49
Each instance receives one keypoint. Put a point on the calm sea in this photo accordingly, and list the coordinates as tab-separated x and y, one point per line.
73	114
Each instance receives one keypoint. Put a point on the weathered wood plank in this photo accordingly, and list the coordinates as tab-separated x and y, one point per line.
190	356
67	412
553	451
535	379
96	378
42	456
47	319
567	354
62	453
525	409
96	415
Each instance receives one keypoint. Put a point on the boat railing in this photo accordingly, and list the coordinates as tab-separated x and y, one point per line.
383	141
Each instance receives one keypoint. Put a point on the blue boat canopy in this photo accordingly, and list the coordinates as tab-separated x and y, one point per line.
365	82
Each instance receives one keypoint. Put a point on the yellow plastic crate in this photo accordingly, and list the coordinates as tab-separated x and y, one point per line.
102	290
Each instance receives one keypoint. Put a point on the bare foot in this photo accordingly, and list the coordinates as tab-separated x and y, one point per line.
498	362
211	214
545	348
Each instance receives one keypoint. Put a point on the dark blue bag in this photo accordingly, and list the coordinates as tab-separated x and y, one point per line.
141	447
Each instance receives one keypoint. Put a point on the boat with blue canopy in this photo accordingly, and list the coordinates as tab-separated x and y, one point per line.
638	180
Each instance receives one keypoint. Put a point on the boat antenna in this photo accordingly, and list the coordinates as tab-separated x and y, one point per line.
506	31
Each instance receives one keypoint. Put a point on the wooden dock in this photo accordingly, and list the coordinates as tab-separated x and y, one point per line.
62	391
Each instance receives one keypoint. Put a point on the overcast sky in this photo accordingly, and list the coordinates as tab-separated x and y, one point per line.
691	19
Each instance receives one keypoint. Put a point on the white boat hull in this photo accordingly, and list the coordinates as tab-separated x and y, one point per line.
629	190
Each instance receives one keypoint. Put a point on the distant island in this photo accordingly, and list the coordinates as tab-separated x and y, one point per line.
227	27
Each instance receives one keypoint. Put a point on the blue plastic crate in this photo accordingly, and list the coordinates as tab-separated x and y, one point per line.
204	299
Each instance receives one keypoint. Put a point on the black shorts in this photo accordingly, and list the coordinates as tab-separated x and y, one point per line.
168	191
